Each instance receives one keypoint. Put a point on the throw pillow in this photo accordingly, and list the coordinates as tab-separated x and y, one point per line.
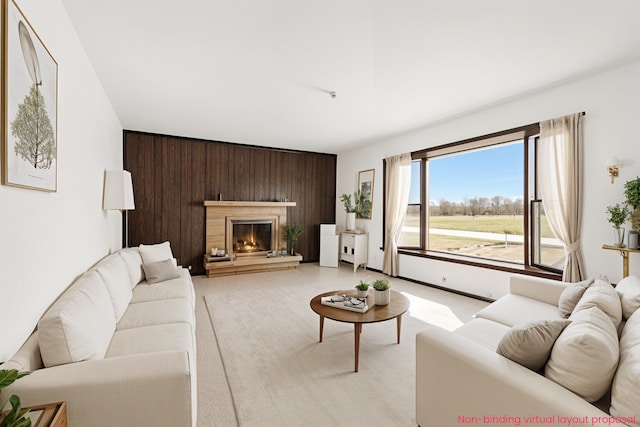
154	253
571	295
160	271
115	275
530	343
602	295
629	291
585	355
132	258
625	393
79	325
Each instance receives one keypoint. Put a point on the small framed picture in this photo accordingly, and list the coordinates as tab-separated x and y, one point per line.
365	193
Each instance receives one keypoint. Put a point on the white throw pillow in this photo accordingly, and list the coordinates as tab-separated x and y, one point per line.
602	295
530	343
585	355
160	271
115	275
155	253
625	393
571	295
629	291
79	325
132	258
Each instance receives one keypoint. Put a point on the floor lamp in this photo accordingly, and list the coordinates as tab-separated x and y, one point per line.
118	195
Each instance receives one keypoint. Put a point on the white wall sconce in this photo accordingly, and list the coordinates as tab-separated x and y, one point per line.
612	166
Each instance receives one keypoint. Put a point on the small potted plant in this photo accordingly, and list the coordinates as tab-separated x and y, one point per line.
382	294
350	208
632	193
291	234
363	289
17	415
617	216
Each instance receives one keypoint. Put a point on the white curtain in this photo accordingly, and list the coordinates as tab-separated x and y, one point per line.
560	182
397	185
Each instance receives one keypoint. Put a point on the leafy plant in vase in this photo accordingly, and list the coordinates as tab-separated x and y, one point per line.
16	416
617	216
382	292
632	193
291	234
362	289
350	208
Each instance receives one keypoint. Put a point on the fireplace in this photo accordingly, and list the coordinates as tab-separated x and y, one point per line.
253	236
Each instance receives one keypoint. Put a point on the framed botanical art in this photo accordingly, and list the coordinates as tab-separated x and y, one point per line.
365	193
29	105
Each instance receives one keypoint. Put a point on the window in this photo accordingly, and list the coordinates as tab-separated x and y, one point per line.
478	199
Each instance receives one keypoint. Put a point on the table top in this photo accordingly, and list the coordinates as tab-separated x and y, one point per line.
397	306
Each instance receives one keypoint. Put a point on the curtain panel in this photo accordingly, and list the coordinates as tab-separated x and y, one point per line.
397	186
560	180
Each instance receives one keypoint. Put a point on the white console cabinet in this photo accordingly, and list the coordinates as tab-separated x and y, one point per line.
353	249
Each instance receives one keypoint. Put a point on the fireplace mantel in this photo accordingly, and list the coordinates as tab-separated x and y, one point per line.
219	216
247	204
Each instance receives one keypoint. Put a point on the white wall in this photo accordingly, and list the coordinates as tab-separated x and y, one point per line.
612	105
48	239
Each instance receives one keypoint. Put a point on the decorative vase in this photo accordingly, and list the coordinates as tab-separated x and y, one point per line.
618	237
351	221
632	241
361	294
383	297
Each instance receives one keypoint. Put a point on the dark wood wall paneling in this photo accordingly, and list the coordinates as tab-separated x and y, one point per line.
172	176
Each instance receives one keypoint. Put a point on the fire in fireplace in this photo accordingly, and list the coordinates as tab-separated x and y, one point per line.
252	237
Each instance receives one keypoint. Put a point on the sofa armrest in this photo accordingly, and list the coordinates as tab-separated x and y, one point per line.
538	288
458	378
139	389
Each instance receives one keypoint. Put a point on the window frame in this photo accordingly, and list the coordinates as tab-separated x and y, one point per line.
528	134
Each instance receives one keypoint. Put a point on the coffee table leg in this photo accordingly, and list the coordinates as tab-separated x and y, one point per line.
321	326
357	330
399	326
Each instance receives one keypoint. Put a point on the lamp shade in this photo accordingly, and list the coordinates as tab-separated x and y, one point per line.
118	191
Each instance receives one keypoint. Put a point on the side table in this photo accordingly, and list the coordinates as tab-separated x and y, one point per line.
625	256
48	415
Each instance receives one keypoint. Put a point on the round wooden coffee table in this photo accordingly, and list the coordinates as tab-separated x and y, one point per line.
398	305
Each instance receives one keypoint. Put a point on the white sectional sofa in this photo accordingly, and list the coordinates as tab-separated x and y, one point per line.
118	345
547	353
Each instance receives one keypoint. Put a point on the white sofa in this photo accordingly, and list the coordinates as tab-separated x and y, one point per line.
585	368
118	345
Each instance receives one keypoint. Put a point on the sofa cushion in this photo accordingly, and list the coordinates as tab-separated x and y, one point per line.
529	344
571	296
178	310
512	309
173	288
157	252
585	355
79	325
602	295
115	275
133	260
628	289
484	332
160	271
153	338
625	393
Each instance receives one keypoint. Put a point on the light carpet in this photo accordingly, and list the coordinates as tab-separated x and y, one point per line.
279	374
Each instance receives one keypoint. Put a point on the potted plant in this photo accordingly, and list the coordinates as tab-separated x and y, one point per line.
632	193
291	234
617	216
16	416
350	208
382	294
363	289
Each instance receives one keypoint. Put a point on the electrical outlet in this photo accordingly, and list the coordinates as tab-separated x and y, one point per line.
444	279
604	278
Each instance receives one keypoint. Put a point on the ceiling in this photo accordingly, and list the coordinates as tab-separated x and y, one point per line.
260	72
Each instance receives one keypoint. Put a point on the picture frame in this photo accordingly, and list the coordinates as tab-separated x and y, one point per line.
29	80
365	193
